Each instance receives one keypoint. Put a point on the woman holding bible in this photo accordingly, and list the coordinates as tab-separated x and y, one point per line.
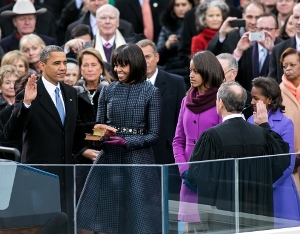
116	198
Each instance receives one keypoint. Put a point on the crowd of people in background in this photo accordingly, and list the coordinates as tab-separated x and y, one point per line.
149	72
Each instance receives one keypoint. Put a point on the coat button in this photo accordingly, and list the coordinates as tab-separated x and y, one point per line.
195	121
194	142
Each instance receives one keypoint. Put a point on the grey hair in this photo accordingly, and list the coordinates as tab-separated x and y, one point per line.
45	53
98	12
234	101
232	63
146	42
202	8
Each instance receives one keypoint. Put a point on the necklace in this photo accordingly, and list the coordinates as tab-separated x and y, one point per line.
91	96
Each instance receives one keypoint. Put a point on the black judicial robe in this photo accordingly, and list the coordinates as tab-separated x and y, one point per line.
237	139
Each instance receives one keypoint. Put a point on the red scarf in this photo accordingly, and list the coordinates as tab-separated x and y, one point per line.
200	103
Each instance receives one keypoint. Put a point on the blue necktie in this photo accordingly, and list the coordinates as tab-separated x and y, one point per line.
59	106
262	58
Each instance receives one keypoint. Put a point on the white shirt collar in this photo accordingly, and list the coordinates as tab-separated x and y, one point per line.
51	90
231	116
93	22
297	43
153	78
49	86
111	41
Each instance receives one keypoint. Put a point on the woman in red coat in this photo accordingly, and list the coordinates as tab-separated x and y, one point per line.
209	18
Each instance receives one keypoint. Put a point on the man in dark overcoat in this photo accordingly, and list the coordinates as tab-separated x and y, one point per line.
48	131
172	90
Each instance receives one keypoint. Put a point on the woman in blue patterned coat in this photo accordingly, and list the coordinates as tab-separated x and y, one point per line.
118	198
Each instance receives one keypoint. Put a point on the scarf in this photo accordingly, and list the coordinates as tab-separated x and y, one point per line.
295	91
119	40
200	103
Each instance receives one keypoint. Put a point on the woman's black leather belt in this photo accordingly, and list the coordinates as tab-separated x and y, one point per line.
134	131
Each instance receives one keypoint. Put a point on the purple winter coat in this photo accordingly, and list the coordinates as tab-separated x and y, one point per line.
285	195
189	128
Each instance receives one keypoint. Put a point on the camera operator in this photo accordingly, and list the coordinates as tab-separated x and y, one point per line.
253	50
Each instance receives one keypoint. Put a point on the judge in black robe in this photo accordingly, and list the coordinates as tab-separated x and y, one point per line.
237	139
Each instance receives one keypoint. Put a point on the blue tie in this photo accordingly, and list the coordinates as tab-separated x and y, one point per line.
262	58
59	106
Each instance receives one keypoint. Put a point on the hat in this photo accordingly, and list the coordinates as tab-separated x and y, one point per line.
23	7
72	60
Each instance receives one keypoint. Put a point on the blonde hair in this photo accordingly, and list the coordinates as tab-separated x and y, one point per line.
8	70
13	57
31	38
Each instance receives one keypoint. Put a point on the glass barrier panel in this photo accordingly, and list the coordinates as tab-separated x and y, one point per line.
119	199
268	192
36	198
205	201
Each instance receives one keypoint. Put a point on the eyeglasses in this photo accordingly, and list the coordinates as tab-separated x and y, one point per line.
264	29
228	71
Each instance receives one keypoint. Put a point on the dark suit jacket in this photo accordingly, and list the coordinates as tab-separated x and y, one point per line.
275	70
12	43
249	66
125	27
172	89
45	139
227	46
55	7
131	11
45	23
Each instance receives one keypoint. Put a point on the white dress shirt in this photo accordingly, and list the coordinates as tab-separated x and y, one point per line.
51	90
231	116
152	79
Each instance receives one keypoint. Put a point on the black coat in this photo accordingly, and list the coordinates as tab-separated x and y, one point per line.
55	7
169	58
12	43
216	179
172	90
275	70
4	117
125	27
130	10
228	45
45	23
45	139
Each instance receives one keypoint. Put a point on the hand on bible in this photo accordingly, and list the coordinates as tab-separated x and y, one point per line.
261	114
187	183
109	131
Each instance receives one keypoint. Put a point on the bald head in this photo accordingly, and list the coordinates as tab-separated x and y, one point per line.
233	96
107	21
107	8
296	19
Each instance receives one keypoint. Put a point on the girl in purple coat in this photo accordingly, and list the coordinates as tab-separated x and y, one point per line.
285	196
197	114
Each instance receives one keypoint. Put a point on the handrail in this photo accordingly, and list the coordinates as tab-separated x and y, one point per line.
14	151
